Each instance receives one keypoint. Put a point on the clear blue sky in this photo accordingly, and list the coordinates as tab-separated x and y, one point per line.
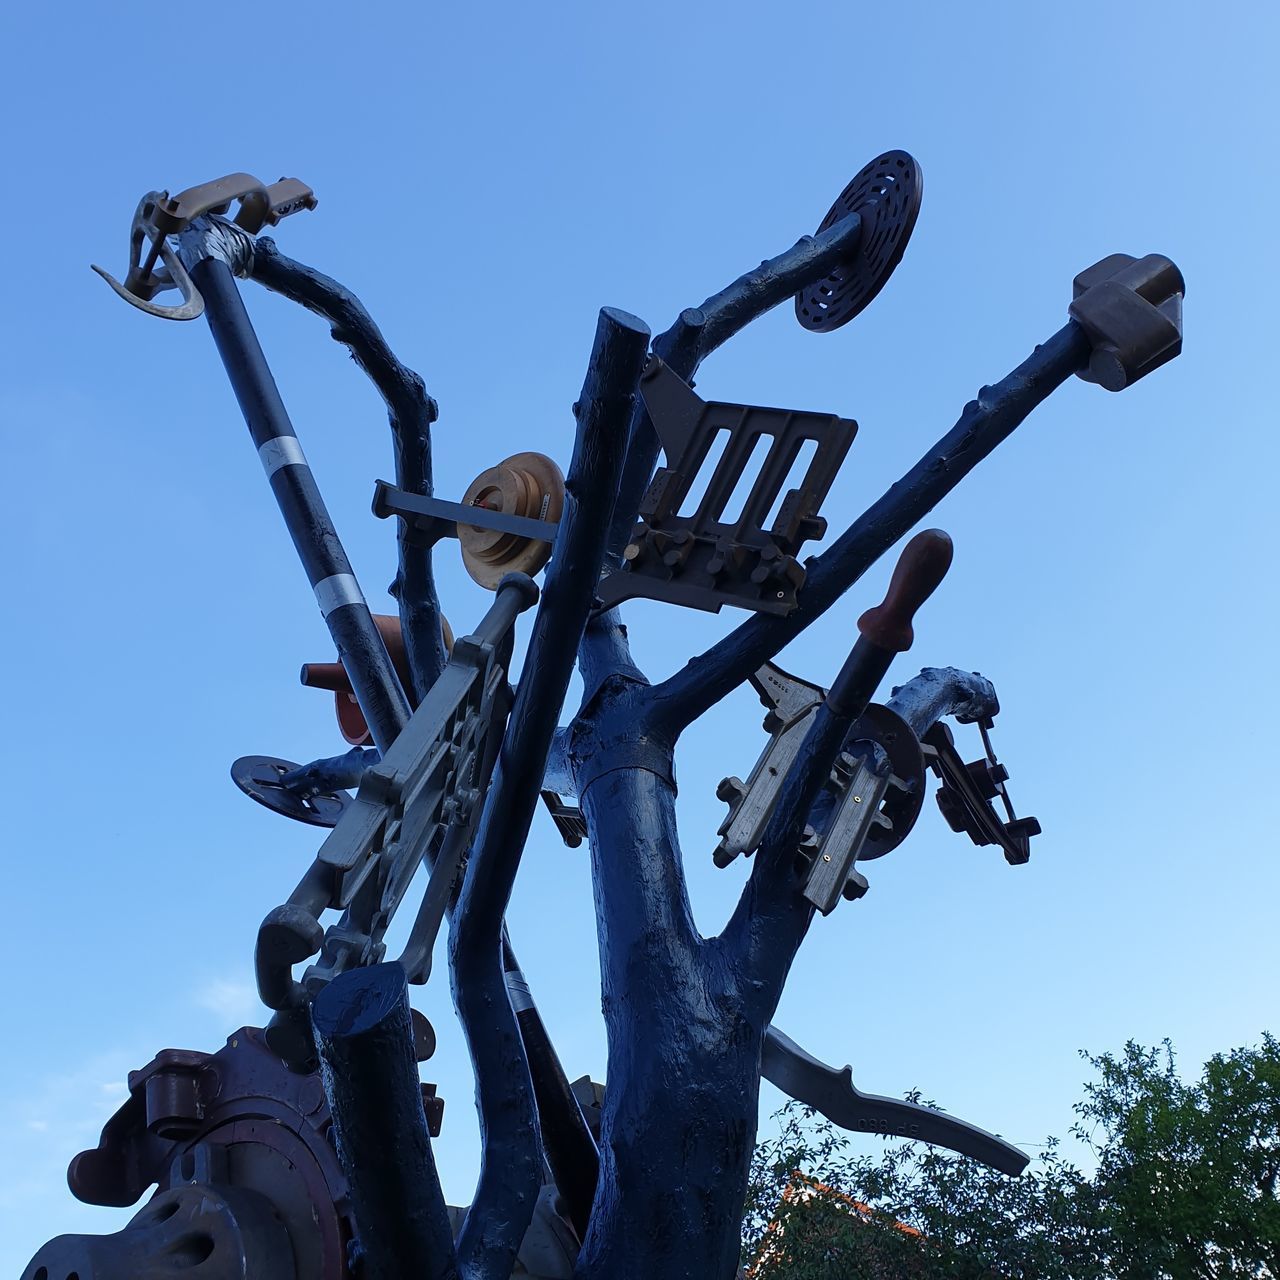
488	177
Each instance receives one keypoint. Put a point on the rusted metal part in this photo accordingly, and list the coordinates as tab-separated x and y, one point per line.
236	1118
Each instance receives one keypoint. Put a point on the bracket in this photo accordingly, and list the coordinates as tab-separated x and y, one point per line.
713	556
422	800
882	770
967	791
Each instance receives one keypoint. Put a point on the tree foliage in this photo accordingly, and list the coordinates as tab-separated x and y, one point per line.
1183	1187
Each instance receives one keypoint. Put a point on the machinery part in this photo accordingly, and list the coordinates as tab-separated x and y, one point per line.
792	703
862	782
568	818
874	807
432	519
886	196
712	556
142	281
422	800
160	215
967	791
1131	310
236	1119
832	1092
228	1233
333	676
261	779
528	485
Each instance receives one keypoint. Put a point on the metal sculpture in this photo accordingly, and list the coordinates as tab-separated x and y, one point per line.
302	1150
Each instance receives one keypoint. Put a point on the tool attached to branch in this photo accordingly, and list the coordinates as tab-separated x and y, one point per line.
720	547
886	197
506	522
967	791
160	215
831	1091
423	800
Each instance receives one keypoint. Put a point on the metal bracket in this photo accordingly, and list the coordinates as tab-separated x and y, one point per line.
713	556
423	799
160	215
879	790
871	802
967	791
432	519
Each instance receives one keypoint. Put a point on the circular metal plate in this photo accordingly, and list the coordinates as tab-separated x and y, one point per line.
886	196
902	808
259	777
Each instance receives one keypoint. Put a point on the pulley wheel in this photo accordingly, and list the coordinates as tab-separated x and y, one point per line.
259	777
886	196
526	484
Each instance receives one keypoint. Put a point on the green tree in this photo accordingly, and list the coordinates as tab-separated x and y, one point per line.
1184	1188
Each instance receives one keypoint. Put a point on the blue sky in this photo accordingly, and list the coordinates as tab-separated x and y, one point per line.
488	177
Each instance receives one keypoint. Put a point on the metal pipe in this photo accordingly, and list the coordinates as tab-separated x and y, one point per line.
360	647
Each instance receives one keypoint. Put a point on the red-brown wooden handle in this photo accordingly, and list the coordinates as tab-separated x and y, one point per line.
921	567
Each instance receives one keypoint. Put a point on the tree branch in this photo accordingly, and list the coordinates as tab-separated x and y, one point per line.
699	331
411	412
364	1037
984	424
512	1170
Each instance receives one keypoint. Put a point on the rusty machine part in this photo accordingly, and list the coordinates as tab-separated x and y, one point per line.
249	1183
527	485
333	676
726	550
886	196
160	215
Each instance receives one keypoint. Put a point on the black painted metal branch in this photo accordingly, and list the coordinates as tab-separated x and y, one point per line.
364	1037
342	604
512	1170
411	412
984	424
698	331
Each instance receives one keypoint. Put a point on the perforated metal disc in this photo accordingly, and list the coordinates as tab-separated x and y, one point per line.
259	777
886	195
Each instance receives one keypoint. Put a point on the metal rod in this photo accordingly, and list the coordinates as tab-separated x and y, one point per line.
360	647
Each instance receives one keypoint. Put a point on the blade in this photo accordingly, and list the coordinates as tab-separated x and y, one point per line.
830	1091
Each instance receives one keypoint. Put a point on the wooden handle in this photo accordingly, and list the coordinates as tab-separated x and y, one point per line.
921	567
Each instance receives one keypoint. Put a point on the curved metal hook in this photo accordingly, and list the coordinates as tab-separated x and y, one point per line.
143	281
